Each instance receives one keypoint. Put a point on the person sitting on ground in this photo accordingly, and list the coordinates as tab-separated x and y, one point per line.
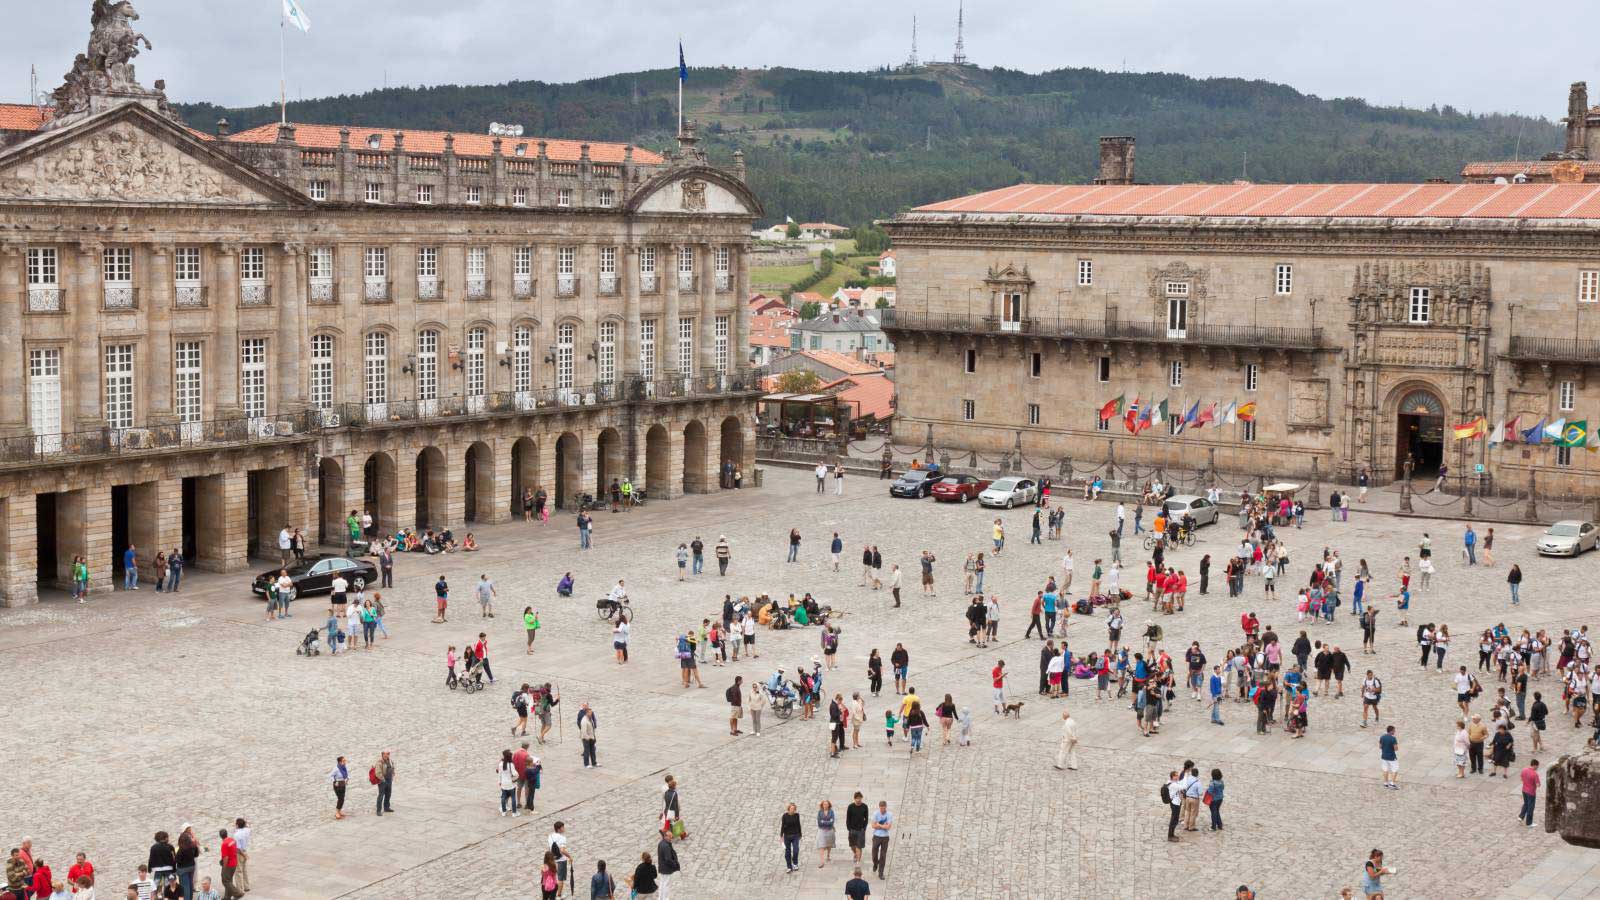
564	586
469	544
447	540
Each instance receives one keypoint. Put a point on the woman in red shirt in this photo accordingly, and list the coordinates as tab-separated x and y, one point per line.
42	882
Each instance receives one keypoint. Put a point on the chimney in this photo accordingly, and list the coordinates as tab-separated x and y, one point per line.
222	127
1577	110
1116	161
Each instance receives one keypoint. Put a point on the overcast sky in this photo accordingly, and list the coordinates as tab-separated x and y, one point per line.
1474	54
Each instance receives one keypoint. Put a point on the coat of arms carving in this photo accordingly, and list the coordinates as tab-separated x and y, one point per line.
694	195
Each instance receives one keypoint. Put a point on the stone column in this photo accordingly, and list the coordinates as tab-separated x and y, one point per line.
630	326
223	375
740	351
13	365
82	302
667	332
224	522
155	296
706	327
455	480
293	346
494	506
19	551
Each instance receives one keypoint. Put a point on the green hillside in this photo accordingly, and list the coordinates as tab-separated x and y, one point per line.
851	146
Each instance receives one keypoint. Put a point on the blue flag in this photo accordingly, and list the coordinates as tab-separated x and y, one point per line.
683	68
1534	435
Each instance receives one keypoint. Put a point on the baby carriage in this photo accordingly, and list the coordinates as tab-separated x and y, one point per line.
472	680
309	645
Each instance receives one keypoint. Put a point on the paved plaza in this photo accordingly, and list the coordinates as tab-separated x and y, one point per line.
141	711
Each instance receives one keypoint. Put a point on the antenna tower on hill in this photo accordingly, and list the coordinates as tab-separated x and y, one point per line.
960	58
912	63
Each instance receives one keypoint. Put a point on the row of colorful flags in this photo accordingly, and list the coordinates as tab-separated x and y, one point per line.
1137	418
1560	433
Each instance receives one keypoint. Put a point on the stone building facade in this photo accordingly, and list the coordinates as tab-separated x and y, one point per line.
1363	320
204	338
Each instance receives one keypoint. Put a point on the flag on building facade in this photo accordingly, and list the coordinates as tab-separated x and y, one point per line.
1576	434
1231	415
1208	415
1160	414
1131	416
1466	431
1552	432
1247	412
1497	435
1144	418
1112	409
1534	435
294	15
1593	443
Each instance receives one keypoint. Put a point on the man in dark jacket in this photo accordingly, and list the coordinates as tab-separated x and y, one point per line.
666	861
855	825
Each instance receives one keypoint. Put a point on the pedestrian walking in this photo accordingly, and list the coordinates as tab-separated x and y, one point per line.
724	553
1530	791
825	832
882	825
1389	758
894	583
794	537
735	697
667	865
228	856
1067	752
789	822
1213	799
1374	870
683	561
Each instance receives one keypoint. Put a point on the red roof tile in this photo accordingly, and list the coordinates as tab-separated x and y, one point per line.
326	137
1497	201
1535	167
24	116
845	363
868	395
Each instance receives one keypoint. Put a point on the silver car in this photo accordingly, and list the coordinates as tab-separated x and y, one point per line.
1203	510
1008	492
1568	538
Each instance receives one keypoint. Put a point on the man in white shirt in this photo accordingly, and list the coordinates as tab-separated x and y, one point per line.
285	545
1067	754
1121	514
822	476
1175	797
1066	573
143	887
1464	690
557	844
340	586
241	836
618	593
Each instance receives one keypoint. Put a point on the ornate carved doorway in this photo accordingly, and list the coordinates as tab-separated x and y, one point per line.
1419	434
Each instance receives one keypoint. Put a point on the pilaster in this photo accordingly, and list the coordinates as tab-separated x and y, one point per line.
667	330
630	325
83	303
705	329
19	551
156	298
292	341
13	365
223	378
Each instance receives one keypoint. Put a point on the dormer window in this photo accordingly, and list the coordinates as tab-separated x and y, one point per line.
374	142
522	150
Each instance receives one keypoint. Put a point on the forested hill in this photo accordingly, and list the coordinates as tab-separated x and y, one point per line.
848	147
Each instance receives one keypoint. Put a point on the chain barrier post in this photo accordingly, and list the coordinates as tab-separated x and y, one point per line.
1532	512
1405	487
1315	499
1111	459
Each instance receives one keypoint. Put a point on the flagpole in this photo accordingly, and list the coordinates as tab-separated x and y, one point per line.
680	85
283	78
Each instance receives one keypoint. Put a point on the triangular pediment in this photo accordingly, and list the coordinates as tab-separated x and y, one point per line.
130	155
700	190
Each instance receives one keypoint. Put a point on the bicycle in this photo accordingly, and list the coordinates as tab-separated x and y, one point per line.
607	609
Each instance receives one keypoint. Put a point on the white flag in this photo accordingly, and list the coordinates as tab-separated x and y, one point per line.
1229	417
295	15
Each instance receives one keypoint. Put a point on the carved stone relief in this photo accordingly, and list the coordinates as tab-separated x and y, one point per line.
122	162
1309	402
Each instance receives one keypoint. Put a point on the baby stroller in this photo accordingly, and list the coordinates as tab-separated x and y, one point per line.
309	645
472	681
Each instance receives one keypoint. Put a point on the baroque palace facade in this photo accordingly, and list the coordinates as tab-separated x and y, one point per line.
204	338
1364	320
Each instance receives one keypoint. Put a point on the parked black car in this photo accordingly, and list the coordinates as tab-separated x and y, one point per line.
916	483
315	576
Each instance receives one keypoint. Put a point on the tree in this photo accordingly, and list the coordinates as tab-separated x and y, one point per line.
883	303
799	381
792	232
810	310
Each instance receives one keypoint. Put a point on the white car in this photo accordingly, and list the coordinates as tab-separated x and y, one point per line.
1203	510
1568	538
1008	492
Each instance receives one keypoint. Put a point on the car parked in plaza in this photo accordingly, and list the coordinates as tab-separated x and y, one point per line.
1568	538
959	488
1008	492
1203	510
315	575
916	483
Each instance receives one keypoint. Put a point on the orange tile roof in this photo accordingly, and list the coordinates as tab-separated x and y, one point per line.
24	116
1590	167
884	358
804	297
887	254
1244	200
769	331
822	226
845	363
326	137
868	395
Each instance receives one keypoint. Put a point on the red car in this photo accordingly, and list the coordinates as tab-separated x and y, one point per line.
959	488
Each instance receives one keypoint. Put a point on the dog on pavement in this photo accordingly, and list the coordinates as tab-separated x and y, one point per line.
1013	709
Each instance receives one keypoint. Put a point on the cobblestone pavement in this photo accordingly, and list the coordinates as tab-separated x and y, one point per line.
142	711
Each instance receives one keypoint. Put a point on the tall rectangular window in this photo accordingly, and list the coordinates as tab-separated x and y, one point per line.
474	194
1421	306
253	265
376	373
376	262
1252	376
566	260
1035	364
374	192
1175	373
425	194
719	344
566	338
1101	424
428	365
522	261
1033	413
647	270
519	196
1563	456
1567	397
119	386
116	265
969	410
608	270
44	396
522	359
647	349
427	262
319	264
253	377
606	358
1103	369
686	347
969	361
1177	309
1085	272
685	268
1247	431
1589	286
1010	312
322	371
1283	279
477	363
477	262
186	265
43	267
564	197
188	370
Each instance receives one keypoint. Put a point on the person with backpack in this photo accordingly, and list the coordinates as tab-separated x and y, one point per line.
519	703
1172	797
1371	695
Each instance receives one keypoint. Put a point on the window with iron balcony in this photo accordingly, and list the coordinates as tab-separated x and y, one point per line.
685	268
253	290
477	273
427	273
522	272
724	260
375	266
608	270
187	289
647	271
44	286
566	271
116	264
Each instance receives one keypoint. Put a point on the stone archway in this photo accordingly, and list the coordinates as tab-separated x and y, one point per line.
609	461
732	445
696	479
330	496
379	488
569	471
433	490
479	482
1419	415
524	471
658	462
